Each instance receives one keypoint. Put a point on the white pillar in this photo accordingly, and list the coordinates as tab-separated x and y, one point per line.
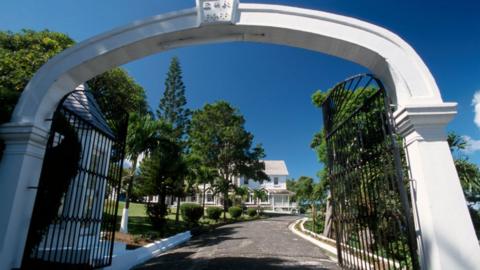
273	203
445	231
20	169
124	221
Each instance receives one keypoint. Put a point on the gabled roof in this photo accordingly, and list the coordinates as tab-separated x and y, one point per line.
83	104
275	167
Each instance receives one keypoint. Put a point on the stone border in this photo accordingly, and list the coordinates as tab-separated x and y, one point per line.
328	245
330	251
126	259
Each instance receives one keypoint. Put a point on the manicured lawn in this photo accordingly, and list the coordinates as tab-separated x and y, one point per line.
141	230
135	209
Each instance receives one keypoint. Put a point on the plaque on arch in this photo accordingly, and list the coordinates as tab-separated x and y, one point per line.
216	11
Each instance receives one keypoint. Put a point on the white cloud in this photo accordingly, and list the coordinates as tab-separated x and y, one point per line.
476	107
472	144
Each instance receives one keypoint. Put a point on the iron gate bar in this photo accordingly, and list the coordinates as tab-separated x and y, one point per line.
365	171
80	235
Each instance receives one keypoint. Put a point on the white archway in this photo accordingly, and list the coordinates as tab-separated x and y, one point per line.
444	228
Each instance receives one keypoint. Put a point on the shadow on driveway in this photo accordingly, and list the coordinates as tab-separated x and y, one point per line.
186	260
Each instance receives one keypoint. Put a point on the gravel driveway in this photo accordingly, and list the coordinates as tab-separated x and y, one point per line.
262	244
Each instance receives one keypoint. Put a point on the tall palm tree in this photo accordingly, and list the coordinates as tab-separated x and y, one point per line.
141	138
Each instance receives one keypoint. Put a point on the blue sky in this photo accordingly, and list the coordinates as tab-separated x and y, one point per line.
271	85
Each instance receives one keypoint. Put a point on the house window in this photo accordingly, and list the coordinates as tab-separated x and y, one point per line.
245	181
210	198
275	180
193	198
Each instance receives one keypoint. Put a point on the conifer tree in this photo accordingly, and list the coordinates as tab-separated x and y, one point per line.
172	105
171	110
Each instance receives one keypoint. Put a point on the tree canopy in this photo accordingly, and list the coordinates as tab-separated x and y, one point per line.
21	55
218	136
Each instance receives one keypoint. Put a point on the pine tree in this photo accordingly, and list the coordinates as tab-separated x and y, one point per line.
172	111
172	105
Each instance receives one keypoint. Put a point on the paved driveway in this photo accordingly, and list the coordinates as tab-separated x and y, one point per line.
263	245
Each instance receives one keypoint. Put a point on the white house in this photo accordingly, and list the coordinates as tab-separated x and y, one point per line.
278	199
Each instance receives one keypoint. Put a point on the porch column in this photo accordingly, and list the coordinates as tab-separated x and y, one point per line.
445	231
273	203
20	170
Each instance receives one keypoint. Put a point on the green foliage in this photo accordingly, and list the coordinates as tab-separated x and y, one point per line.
251	212
161	169
381	216
172	104
240	194
156	213
469	175
191	212
119	93
21	55
302	210
218	137
214	213
259	195
305	189
235	212
142	136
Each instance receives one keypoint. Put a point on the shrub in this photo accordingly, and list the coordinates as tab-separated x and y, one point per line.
235	212
302	210
251	212
191	212
214	213
156	213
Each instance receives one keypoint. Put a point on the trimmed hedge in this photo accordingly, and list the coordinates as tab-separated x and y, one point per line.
191	212
214	213
251	212
235	212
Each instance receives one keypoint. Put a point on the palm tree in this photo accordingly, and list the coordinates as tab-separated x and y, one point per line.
205	175
240	194
141	137
259	195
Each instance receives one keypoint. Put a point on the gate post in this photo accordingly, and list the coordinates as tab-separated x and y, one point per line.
20	170
445	232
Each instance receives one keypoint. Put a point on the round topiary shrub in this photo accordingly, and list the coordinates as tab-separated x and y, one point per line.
235	212
214	213
191	212
251	212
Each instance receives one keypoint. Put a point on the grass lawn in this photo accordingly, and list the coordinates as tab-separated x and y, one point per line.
318	226
141	230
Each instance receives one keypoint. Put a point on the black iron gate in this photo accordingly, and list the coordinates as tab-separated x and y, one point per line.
371	209
74	217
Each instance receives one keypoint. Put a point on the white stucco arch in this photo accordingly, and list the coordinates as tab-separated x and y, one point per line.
389	57
421	114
